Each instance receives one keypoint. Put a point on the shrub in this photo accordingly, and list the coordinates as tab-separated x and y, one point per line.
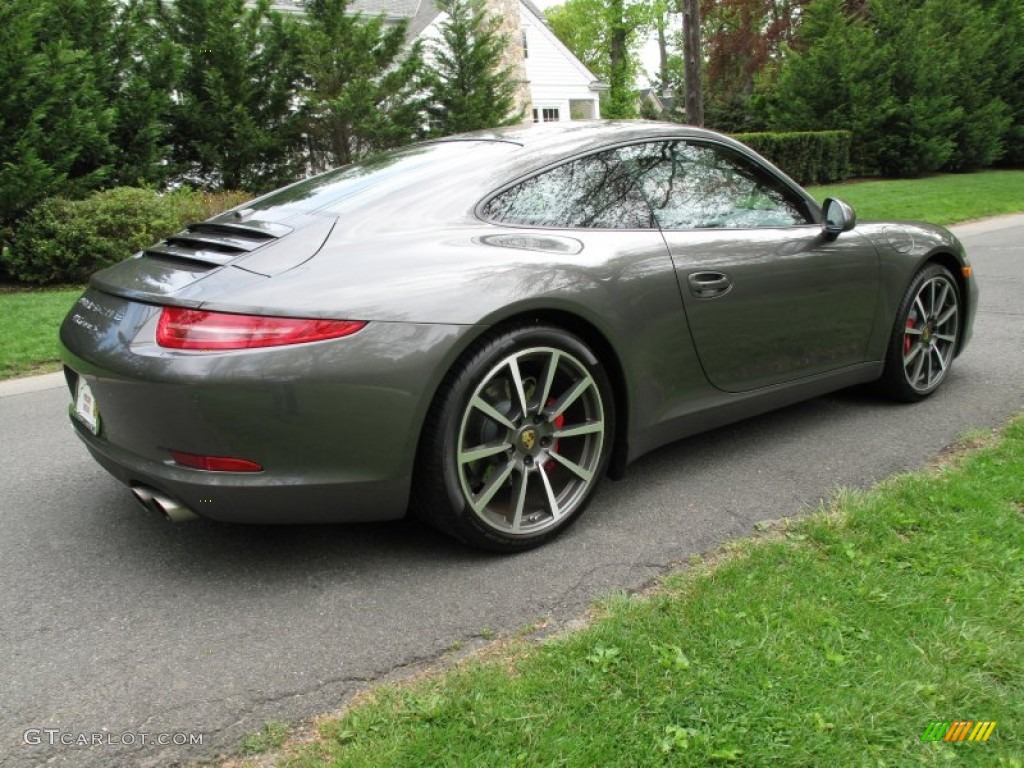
810	157
65	241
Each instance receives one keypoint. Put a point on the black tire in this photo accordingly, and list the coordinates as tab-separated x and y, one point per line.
924	337
505	467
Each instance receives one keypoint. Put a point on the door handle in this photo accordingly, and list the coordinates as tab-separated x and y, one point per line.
708	285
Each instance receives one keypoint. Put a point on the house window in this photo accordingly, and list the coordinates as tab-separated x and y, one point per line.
546	115
526	46
581	109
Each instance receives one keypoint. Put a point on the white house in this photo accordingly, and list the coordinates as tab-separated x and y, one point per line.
555	84
561	88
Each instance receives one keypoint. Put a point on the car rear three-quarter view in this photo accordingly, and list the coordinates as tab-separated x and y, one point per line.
479	329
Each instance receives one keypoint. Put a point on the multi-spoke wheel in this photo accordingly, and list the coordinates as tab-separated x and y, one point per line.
924	339
518	442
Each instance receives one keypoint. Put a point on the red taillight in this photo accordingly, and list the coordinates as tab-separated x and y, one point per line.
214	463
181	328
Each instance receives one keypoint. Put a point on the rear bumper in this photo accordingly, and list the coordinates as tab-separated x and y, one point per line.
257	498
334	424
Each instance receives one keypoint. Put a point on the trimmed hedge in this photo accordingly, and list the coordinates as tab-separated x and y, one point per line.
65	241
811	157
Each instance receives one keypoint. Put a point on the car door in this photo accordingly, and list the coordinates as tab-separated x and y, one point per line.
767	297
600	255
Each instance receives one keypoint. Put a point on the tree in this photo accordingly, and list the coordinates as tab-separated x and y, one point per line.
877	72
967	38
693	55
363	88
621	101
1008	53
55	123
148	66
235	124
923	84
604	35
469	88
743	42
667	81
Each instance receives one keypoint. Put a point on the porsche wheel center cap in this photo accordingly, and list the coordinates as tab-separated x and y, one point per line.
528	441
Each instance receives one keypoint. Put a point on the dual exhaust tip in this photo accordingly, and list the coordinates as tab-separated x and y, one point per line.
153	500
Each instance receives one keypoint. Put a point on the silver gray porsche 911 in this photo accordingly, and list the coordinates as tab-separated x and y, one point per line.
478	329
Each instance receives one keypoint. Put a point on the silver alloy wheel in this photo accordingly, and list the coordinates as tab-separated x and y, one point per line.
929	338
530	441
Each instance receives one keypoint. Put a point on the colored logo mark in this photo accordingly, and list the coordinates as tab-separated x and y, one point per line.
958	730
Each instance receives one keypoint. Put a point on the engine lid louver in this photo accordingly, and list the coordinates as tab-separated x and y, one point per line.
217	243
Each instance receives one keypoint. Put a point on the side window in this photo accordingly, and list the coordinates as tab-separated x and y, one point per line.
594	192
700	186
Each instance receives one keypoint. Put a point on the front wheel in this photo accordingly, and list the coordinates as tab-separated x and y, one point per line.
517	440
924	338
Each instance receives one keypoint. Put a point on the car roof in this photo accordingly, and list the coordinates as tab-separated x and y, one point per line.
435	181
544	143
584	133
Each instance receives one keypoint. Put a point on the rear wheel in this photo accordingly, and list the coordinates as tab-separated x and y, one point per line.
517	440
924	339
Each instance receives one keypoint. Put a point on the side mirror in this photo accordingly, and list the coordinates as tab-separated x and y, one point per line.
838	217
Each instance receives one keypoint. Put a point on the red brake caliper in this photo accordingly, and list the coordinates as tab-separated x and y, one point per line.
906	336
549	465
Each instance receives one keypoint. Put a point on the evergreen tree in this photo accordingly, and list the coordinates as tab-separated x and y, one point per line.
1007	56
924	85
967	37
469	90
363	87
148	67
235	123
55	123
874	72
132	68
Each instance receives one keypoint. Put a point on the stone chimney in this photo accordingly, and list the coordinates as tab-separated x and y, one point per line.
510	25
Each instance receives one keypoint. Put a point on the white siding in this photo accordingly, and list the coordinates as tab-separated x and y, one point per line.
555	75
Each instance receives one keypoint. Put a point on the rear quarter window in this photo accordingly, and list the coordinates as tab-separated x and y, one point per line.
593	192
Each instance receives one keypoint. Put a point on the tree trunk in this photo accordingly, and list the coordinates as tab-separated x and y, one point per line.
662	54
620	90
693	57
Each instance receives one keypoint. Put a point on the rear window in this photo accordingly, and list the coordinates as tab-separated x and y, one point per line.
375	176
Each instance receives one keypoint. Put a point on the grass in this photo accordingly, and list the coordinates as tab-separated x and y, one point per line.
30	320
272	736
834	640
946	199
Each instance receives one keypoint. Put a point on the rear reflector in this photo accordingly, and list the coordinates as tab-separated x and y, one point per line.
204	331
214	463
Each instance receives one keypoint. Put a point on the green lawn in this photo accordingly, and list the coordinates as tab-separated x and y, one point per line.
29	321
833	641
943	199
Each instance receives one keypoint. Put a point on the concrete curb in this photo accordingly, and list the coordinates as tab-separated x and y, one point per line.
23	386
984	226
28	384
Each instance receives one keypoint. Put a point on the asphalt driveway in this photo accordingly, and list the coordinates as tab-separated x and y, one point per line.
115	624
